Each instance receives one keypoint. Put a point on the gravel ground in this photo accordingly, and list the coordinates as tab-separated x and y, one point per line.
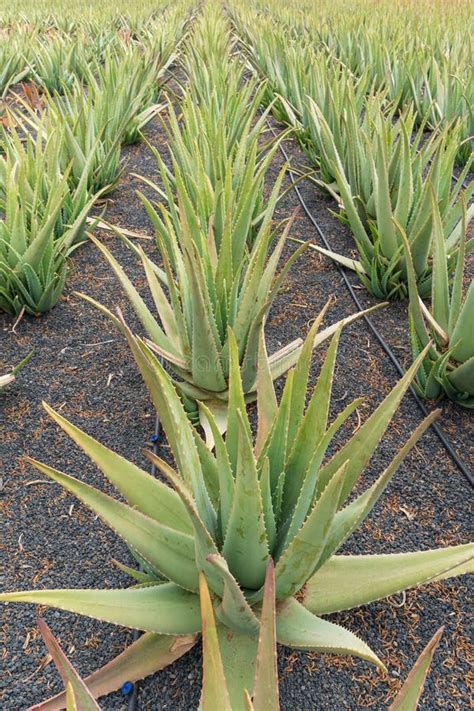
81	366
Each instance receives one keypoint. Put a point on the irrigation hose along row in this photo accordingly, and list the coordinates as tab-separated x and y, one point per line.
394	360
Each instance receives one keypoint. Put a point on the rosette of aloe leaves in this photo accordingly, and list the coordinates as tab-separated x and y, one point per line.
446	326
206	287
225	514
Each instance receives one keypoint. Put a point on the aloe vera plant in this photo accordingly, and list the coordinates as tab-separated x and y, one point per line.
34	241
126	107
446	95
383	179
42	219
36	161
219	161
446	327
296	71
56	63
13	65
94	121
225	514
211	287
86	140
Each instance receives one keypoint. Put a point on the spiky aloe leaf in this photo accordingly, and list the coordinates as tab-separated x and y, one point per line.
266	399
304	550
138	575
176	425
214	687
150	653
79	695
440	278
409	695
234	610
236	404
245	545
462	336
167	550
206	368
349	518
150	324
383	207
345	582
361	446
226	479
347	262
457	289
310	430
297	627
203	542
265	690
142	491
164	609
301	377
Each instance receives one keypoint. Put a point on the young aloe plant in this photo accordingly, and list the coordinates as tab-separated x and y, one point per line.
219	163
296	71
225	514
446	96
87	140
126	106
95	121
447	326
13	63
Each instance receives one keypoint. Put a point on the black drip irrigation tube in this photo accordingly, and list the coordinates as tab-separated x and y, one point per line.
388	351
129	689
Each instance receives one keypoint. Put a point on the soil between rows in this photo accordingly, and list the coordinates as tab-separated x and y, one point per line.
82	367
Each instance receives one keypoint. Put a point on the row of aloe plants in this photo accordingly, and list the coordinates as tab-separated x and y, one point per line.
54	49
215	233
60	151
393	185
418	53
238	541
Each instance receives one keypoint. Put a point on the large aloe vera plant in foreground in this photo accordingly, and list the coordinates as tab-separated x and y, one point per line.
225	514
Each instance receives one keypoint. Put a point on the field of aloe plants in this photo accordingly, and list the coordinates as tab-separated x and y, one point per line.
237	354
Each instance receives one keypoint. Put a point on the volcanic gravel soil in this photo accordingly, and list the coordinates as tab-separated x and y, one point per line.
82	367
